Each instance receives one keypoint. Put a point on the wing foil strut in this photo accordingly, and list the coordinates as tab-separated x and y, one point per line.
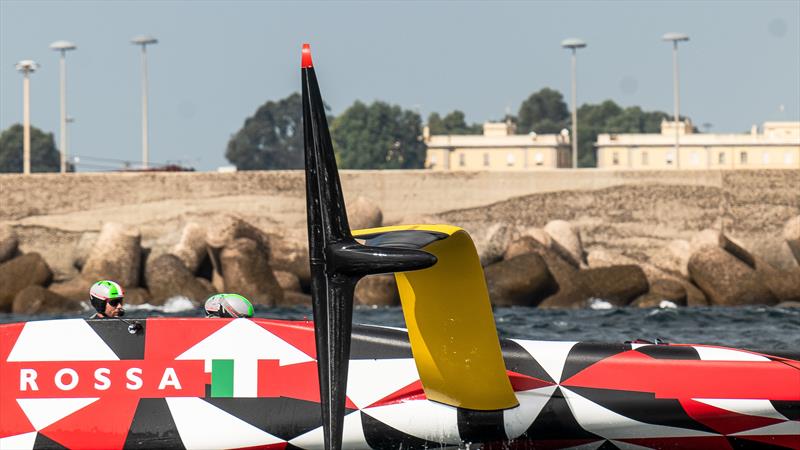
337	260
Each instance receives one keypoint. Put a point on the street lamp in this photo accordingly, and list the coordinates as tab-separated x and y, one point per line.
675	38
144	41
574	44
27	67
63	47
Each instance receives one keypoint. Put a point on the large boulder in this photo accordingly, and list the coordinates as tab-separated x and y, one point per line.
191	248
246	271
290	254
522	245
791	234
167	277
377	290
673	257
566	241
116	255
491	241
660	290
783	284
726	280
287	281
40	300
618	285
223	231
523	280
291	298
26	270
76	289
8	243
137	296
572	291
363	213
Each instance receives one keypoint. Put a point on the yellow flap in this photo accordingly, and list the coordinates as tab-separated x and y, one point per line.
451	326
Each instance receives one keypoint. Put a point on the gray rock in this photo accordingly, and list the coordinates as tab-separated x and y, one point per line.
726	280
618	285
491	241
246	271
363	213
523	280
26	270
115	256
290	254
566	241
167	277
40	300
8	243
378	290
223	231
287	281
783	284
137	296
191	248
669	290
76	289
791	234
572	291
522	245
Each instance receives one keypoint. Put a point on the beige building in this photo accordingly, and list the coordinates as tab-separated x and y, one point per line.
498	148
776	146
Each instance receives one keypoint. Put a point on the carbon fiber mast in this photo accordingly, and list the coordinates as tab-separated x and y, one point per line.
337	260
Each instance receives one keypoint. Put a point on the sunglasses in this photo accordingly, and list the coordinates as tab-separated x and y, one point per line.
115	302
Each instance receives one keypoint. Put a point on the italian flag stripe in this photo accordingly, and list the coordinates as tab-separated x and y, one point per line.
222	378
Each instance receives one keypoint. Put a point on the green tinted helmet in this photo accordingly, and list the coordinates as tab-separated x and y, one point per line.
228	305
105	291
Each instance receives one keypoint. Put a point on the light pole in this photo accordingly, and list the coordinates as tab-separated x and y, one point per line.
144	41
574	44
27	67
675	38
62	47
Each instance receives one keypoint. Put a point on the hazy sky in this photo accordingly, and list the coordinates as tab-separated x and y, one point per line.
216	62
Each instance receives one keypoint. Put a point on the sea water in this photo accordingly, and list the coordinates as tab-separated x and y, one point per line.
751	327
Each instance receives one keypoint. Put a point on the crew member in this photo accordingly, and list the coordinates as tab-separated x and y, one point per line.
106	297
228	305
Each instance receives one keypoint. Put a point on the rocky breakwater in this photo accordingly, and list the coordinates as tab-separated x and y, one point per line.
545	267
548	267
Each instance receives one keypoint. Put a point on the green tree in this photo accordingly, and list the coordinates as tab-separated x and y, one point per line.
270	139
44	154
378	136
608	117
543	112
452	123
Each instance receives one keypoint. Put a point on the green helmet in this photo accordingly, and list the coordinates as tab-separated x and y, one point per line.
228	305
105	291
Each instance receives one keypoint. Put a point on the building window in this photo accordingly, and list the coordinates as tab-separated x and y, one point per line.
670	158
615	158
743	157
644	158
694	158
485	160
788	158
462	159
765	158
721	158
510	159
539	158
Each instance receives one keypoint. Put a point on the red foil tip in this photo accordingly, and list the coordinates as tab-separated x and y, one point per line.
306	61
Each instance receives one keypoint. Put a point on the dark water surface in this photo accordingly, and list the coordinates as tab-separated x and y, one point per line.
752	327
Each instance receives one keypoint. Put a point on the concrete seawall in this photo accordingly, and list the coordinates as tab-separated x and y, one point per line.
629	211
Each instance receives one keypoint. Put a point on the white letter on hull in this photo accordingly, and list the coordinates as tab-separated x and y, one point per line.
27	378
134	381
101	376
73	379
170	378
